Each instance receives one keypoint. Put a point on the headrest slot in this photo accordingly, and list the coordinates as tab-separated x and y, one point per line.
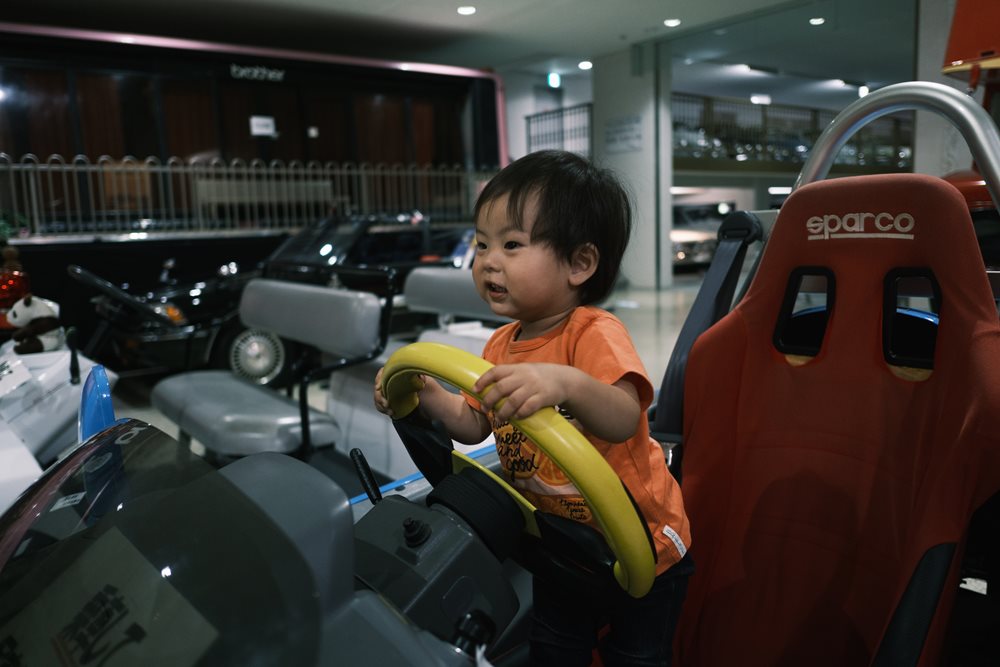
805	311
911	304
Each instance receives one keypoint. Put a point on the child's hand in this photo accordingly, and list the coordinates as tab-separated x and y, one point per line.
525	388
382	403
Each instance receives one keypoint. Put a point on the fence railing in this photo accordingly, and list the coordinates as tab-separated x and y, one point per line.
63	197
706	128
568	129
714	133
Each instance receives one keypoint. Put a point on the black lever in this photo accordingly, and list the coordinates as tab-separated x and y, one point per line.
74	360
365	475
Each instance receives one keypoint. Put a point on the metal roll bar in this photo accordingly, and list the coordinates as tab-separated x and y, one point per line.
971	119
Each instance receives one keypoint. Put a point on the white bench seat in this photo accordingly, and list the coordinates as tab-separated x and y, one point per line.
232	417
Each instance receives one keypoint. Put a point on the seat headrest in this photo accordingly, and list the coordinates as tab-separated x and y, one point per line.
863	227
446	291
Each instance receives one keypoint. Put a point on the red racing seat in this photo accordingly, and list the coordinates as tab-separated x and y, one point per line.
830	488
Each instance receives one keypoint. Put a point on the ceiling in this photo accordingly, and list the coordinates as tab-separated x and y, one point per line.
862	41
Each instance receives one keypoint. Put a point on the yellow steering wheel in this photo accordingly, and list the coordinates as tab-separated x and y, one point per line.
614	512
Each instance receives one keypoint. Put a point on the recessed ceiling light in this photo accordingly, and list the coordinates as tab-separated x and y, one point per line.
554	80
818	20
585	64
466	10
672	23
760	99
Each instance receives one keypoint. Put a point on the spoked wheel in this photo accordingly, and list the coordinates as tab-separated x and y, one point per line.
254	354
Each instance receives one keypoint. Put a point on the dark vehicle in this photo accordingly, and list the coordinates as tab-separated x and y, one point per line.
183	326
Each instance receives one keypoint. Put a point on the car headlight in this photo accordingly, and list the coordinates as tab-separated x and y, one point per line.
172	312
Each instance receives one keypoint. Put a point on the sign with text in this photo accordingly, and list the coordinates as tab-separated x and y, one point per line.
623	134
262	126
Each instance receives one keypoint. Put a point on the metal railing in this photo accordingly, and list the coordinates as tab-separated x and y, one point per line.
720	129
567	129
713	133
137	197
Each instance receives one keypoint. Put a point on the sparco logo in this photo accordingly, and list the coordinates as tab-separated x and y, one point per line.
860	226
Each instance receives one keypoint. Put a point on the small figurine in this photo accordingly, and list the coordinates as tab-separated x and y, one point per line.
37	325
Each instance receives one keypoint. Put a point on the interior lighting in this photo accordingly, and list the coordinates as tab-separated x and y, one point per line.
839	82
672	23
554	80
466	10
818	20
760	99
3	94
583	64
863	90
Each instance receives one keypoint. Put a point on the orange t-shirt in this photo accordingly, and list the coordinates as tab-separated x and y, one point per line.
597	343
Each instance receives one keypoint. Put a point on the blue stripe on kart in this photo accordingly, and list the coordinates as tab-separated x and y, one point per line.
398	484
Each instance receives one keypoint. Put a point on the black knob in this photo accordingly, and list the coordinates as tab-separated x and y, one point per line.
473	630
415	532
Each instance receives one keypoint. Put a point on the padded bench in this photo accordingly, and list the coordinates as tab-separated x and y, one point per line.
232	417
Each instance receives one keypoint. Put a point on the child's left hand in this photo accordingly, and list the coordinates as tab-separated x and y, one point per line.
524	388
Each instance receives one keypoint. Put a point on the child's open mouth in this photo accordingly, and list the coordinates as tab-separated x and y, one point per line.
495	289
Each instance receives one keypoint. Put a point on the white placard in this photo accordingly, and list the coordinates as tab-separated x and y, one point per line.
262	126
623	134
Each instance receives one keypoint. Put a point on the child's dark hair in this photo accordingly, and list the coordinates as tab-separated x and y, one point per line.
578	203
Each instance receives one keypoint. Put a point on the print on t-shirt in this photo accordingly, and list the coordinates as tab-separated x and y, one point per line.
537	476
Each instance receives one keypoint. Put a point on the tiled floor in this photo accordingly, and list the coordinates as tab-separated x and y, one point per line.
653	317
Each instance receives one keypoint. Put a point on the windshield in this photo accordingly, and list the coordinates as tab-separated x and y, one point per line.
702	215
317	245
133	547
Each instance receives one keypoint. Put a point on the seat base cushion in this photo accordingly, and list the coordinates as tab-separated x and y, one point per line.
232	417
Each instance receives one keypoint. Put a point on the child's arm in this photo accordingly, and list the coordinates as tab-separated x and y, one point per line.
608	411
461	420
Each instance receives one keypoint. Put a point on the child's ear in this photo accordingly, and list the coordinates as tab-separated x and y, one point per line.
583	264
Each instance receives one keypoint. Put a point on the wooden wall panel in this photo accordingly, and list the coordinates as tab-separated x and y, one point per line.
381	134
100	115
189	119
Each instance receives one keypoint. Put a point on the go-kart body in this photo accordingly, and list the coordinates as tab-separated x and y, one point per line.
132	542
39	403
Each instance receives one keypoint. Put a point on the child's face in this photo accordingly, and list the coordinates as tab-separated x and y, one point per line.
520	279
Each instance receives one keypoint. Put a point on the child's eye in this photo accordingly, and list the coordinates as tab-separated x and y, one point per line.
480	245
511	245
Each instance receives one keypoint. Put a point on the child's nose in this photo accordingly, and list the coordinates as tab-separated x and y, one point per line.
490	259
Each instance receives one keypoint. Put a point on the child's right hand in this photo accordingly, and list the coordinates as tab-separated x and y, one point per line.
382	403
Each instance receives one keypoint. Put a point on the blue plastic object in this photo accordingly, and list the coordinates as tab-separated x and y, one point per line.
96	411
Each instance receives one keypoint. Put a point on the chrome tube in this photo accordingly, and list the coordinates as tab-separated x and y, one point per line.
971	119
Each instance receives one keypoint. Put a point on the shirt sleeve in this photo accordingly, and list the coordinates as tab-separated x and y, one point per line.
604	350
